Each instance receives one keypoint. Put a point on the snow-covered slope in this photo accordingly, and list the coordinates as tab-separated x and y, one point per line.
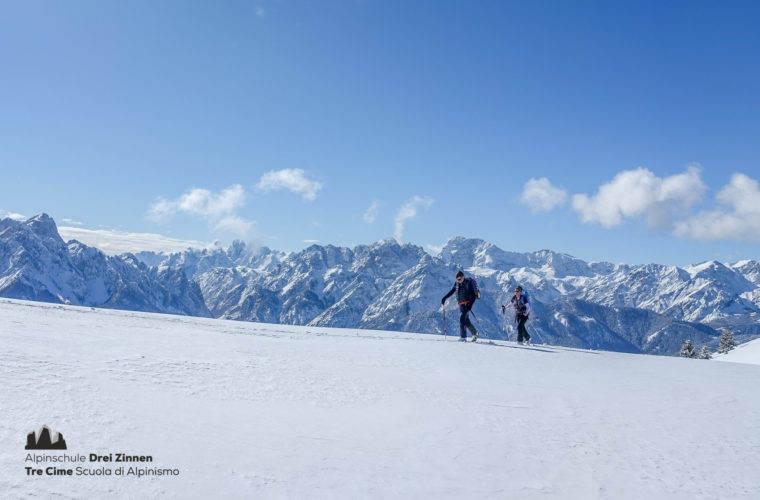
749	352
250	410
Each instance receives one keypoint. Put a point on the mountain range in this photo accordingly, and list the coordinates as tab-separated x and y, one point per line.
391	286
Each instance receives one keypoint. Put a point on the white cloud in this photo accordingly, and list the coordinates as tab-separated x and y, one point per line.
312	242
541	196
736	218
371	214
409	211
71	221
218	209
161	210
292	179
118	242
634	193
12	215
201	202
236	225
433	250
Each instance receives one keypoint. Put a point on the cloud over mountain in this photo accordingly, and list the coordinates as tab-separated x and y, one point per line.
291	179
639	192
737	216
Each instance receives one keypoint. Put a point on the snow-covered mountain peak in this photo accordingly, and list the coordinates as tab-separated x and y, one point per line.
237	249
388	241
711	266
750	269
386	247
743	263
473	252
198	261
35	231
324	256
44	226
80	250
561	265
725	278
260	258
459	244
36	264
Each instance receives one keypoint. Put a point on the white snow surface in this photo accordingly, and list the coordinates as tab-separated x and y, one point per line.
749	352
250	410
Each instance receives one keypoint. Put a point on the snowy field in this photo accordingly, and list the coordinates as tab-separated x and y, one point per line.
245	410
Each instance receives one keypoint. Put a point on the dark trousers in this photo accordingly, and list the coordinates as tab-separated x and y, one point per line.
464	322
522	333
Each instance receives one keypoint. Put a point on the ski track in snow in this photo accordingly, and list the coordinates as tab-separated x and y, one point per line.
249	410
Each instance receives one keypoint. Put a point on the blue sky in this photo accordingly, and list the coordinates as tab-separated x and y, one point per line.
626	132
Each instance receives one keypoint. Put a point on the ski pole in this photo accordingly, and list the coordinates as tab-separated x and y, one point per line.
504	325
478	322
444	322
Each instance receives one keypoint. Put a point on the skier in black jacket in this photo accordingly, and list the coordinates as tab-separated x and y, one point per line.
466	295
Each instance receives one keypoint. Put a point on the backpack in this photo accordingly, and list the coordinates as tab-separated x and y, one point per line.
475	287
524	298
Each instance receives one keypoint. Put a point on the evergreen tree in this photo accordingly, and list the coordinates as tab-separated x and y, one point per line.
705	353
727	341
687	350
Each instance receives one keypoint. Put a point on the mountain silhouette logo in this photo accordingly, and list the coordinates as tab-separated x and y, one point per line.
43	440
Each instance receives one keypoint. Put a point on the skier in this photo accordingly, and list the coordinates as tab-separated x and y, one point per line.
467	292
521	304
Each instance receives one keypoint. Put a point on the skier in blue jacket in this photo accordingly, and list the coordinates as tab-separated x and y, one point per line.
521	304
466	294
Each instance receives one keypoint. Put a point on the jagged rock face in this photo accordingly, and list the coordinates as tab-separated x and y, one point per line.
749	269
390	286
696	293
597	305
35	264
321	285
198	261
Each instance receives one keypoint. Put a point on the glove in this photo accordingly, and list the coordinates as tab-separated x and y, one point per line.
443	301
503	309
